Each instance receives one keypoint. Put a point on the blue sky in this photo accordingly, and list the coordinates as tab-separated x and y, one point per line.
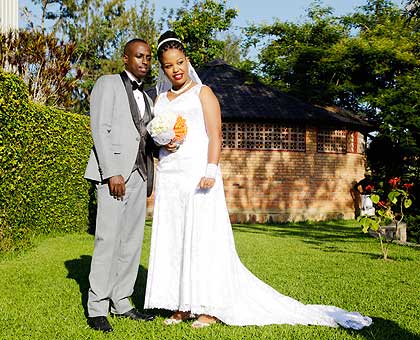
258	11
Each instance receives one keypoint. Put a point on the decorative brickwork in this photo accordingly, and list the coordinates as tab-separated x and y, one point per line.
340	141
263	137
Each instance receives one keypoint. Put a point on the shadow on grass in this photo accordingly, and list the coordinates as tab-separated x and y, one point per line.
333	249
374	256
319	235
385	330
140	292
140	288
314	232
79	269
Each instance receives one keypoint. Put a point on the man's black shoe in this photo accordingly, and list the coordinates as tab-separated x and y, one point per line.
100	323
134	314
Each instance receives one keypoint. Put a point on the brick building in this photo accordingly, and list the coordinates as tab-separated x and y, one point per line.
284	159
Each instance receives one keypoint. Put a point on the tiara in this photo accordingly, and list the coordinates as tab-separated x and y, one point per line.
166	40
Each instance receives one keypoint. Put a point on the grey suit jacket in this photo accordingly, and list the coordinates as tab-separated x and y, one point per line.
115	137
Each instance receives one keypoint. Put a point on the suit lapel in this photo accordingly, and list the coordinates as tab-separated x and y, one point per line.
147	117
135	114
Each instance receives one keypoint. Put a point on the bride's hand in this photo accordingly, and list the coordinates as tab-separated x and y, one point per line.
206	183
171	146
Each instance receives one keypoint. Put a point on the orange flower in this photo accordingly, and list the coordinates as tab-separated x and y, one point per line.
180	128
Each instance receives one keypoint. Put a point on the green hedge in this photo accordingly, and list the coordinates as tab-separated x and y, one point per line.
43	153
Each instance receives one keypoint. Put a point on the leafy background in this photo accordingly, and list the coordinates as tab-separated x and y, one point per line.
43	153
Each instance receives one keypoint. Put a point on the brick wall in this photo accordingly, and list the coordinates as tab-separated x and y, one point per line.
275	186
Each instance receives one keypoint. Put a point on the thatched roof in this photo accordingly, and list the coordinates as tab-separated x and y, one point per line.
243	98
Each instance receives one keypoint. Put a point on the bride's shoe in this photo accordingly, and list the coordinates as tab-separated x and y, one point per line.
203	324
200	324
174	320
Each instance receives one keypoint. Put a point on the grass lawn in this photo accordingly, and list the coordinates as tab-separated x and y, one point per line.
43	292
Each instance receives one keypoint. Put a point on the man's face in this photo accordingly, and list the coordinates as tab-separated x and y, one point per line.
138	59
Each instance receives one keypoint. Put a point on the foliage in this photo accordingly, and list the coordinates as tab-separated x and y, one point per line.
413	226
232	53
292	56
394	100
45	5
43	153
323	61
99	29
328	263
44	62
386	211
412	8
198	24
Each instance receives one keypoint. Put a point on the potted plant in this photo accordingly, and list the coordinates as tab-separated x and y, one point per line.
386	223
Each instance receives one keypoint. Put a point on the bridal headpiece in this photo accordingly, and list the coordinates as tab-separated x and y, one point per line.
163	84
166	40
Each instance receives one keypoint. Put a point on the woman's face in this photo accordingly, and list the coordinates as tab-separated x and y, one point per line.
175	66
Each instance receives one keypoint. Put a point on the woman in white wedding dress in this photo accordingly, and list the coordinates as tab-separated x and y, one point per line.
194	268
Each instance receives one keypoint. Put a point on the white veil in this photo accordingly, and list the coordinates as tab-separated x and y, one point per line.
163	84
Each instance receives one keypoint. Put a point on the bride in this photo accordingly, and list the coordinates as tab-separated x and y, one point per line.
194	269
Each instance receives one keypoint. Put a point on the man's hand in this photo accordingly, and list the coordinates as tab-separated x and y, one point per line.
117	187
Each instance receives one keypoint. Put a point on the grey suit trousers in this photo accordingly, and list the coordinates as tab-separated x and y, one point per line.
117	249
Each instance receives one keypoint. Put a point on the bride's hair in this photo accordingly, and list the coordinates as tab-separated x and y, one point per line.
172	41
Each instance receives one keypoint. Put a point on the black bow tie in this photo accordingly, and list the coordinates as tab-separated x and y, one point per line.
137	86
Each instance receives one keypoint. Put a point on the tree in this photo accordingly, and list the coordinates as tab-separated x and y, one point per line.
44	4
232	52
387	46
44	62
198	25
292	55
99	29
412	8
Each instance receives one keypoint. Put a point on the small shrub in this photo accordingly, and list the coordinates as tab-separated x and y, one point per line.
413	228
391	209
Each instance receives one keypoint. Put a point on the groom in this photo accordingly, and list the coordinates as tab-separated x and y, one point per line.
121	164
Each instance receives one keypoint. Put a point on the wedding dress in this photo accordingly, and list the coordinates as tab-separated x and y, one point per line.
193	263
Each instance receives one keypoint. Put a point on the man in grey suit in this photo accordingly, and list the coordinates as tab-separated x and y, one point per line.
121	164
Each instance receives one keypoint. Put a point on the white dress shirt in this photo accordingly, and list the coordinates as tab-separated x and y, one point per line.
138	96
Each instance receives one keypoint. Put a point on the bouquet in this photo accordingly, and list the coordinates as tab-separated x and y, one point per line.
167	127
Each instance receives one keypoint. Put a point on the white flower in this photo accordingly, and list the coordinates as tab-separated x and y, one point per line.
161	128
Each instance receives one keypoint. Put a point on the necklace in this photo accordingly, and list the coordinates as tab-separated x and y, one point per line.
182	89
